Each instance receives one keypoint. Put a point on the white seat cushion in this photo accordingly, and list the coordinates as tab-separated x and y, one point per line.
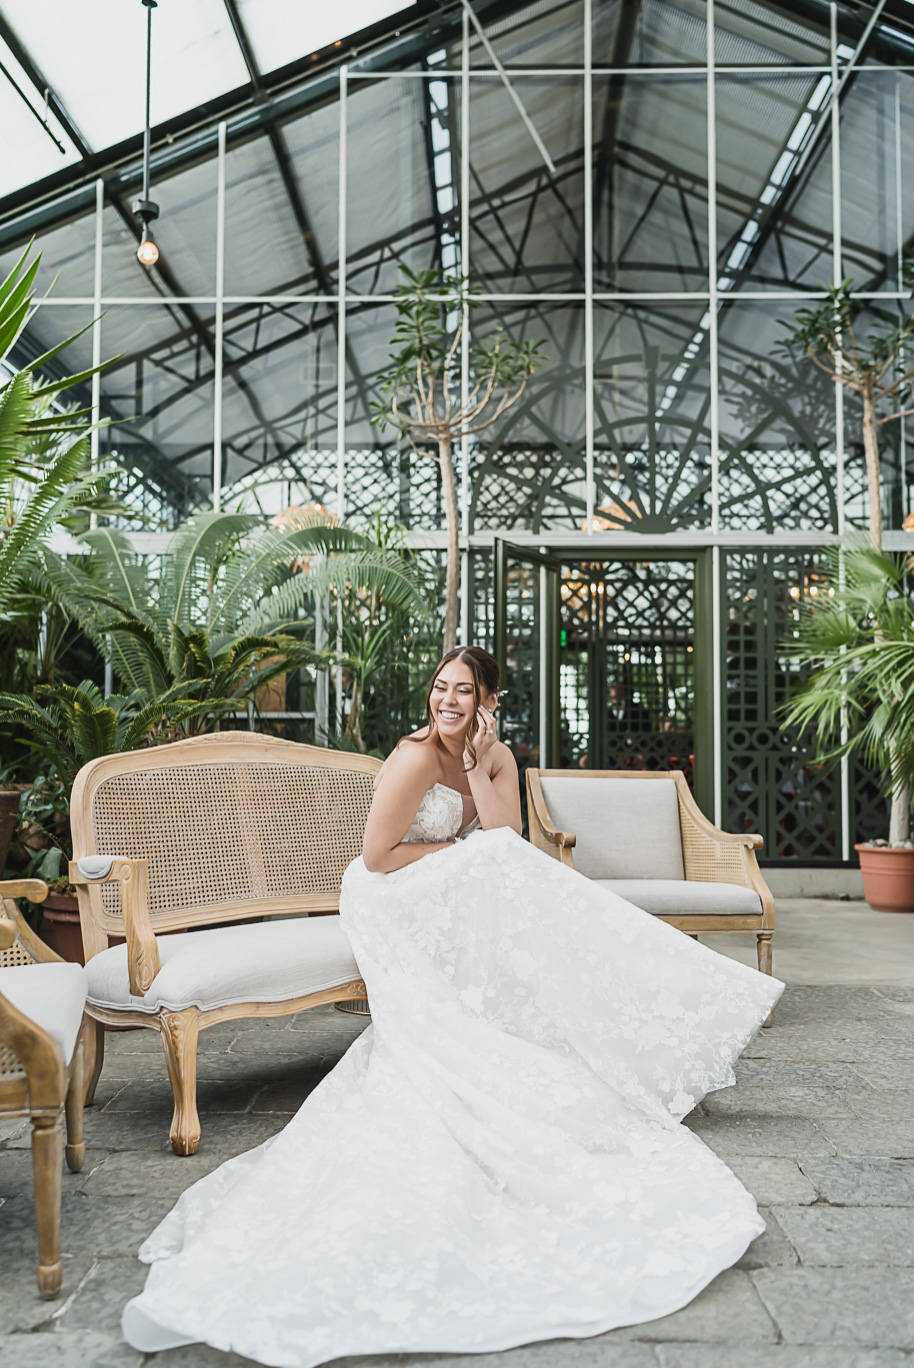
219	966
672	898
625	828
51	995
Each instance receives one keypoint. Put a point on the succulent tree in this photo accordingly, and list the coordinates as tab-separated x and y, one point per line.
420	391
871	364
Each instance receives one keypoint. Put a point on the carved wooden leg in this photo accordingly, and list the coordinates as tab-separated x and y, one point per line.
76	1149
94	1058
47	1143
179	1036
763	941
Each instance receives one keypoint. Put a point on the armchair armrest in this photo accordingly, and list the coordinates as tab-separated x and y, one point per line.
143	962
13	926
539	819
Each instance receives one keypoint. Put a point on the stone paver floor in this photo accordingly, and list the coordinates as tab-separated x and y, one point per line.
820	1128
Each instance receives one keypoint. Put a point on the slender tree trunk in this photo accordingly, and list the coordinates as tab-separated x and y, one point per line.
873	474
452	519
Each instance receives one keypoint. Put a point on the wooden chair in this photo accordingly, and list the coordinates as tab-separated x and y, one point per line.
217	829
41	1062
641	834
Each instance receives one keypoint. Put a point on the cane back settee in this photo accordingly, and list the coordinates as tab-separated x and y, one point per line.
42	1036
641	834
201	835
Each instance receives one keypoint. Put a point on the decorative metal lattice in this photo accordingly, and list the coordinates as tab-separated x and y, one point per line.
771	784
627	665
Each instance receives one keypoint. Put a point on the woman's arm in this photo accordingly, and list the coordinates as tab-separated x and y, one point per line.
493	780
408	775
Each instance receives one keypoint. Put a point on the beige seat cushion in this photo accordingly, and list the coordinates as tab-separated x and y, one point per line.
625	828
220	966
670	898
51	995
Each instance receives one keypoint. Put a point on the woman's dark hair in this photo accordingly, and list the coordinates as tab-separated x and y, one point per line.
486	674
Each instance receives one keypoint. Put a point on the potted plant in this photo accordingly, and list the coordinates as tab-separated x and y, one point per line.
66	727
866	349
857	636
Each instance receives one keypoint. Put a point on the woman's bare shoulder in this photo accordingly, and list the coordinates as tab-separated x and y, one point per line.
504	757
412	759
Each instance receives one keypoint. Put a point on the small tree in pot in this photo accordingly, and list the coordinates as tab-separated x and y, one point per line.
857	634
421	391
870	363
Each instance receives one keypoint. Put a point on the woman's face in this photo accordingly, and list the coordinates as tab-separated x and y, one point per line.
453	700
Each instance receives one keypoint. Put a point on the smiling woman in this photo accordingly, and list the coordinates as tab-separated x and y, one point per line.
456	751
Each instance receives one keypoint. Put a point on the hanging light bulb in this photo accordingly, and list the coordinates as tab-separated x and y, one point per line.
145	208
147	253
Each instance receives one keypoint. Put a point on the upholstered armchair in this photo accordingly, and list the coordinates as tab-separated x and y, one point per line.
641	834
41	1054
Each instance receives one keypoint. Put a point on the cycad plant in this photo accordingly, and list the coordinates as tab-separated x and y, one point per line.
65	727
857	638
219	612
45	471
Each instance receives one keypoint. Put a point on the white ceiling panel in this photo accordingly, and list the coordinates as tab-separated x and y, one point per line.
94	57
280	33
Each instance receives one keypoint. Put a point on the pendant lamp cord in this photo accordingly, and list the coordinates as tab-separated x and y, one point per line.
150	6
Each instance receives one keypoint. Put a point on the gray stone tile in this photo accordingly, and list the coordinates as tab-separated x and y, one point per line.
11	1127
124	1173
862	1181
213	1095
738	1355
601	1351
774	1181
101	1226
21	1308
772	1249
866	1306
731	1299
808	1103
68	1349
884	1074
839	1236
804	1072
882	1104
735	1136
892	1140
101	1297
16	1172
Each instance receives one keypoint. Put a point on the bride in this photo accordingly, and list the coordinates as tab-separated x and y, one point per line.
498	1158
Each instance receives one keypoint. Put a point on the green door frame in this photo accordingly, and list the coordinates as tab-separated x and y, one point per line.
549	684
702	560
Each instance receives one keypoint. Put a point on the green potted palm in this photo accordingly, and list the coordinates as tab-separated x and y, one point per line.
857	638
865	348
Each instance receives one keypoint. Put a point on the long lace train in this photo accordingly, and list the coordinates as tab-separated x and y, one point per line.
498	1158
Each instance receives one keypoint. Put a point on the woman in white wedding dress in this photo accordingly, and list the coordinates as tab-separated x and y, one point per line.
498	1158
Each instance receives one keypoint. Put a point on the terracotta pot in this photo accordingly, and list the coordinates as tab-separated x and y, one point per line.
9	817
61	929
888	878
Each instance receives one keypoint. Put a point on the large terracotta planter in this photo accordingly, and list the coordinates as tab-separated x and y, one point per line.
60	928
888	878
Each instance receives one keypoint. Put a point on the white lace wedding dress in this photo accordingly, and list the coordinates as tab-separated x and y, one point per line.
498	1158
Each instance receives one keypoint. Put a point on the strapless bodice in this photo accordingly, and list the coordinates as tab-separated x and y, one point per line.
441	816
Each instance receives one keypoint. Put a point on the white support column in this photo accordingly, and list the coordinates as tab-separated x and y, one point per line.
590	482
220	322
94	438
341	366
97	329
837	274
465	337
713	382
